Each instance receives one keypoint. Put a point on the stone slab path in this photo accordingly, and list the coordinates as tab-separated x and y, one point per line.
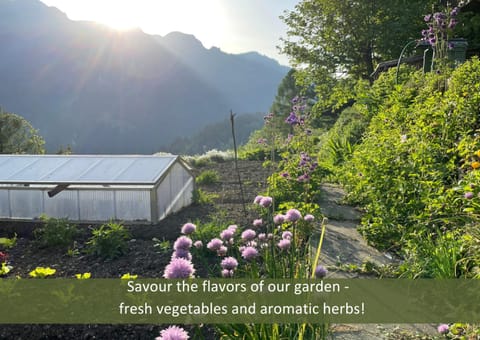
343	244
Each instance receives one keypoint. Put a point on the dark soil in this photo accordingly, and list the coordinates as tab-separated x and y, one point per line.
141	258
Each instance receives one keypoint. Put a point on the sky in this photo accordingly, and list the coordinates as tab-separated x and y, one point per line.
235	26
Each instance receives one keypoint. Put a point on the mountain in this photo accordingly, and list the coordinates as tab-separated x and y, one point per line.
103	91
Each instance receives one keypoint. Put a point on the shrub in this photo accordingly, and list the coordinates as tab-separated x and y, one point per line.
55	232
7	243
208	177
201	197
109	240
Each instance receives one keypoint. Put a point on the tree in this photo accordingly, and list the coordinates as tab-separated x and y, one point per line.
328	37
18	136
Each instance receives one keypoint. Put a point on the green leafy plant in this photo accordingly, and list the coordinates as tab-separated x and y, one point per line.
7	243
55	232
109	240
208	177
161	246
42	272
201	197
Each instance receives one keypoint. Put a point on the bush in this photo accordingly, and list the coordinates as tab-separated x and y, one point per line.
109	240
55	232
201	197
208	177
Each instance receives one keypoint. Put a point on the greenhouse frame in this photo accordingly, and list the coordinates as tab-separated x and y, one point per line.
94	188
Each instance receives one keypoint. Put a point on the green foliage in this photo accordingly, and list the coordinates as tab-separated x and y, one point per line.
162	246
7	243
109	240
329	37
337	145
415	170
18	136
55	232
202	197
208	177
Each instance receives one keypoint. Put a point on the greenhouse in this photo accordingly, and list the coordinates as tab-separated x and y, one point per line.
93	188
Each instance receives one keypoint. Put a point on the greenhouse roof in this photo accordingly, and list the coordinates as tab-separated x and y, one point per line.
83	169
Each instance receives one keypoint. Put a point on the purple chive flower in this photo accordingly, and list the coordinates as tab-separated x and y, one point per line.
309	218
287	235
182	254
427	17
227	273
232	227
284	244
214	244
248	235
257	199
173	333
198	244
266	201
262	237
249	253
285	174
293	215
320	272
292	119
188	228
443	328
258	222
222	251
226	234
452	23
179	268
454	12
183	242
295	99
469	195
279	219
229	263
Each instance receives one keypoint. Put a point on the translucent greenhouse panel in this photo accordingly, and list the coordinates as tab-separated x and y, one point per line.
132	205
96	205
4	204
164	197
26	203
62	205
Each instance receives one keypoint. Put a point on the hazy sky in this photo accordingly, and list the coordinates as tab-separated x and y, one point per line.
233	25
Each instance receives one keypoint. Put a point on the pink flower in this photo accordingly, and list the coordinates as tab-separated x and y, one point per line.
222	251
287	235
284	244
293	215
249	253
266	201
232	227
262	237
198	244
183	242
443	328
229	263
309	218
227	273
173	333
258	222
257	199
188	228
179	268
469	195
320	272
248	235
214	244
182	254
279	219
226	234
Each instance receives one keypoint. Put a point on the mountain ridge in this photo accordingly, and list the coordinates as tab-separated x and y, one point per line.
103	91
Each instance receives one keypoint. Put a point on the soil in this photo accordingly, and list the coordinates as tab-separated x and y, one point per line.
342	244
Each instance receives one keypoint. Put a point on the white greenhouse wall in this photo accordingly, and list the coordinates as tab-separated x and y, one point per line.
63	205
174	191
132	205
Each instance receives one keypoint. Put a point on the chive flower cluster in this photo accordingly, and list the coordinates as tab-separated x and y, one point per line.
439	31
